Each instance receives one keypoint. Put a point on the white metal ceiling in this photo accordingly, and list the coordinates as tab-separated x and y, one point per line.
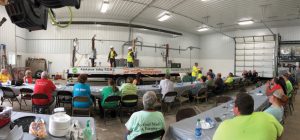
187	15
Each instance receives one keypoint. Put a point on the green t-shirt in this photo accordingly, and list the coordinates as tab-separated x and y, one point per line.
144	122
210	83
257	126
128	89
289	88
106	92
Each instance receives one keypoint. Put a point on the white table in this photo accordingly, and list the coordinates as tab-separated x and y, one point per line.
184	129
96	90
15	115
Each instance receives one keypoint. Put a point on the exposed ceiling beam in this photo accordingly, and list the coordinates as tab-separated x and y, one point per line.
268	27
147	6
171	11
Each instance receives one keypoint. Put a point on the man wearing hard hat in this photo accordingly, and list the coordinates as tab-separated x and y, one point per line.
130	58
112	57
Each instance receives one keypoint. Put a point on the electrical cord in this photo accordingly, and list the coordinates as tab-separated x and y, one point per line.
55	23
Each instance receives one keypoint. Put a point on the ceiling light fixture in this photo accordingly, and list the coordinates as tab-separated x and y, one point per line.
104	7
164	17
204	0
202	29
246	22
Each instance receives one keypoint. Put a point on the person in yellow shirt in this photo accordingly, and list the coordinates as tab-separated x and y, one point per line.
199	74
229	79
5	76
112	57
195	70
247	124
130	58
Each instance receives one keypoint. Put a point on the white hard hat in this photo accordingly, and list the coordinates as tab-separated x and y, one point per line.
111	47
129	48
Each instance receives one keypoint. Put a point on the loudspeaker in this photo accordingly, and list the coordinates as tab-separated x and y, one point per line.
60	3
27	14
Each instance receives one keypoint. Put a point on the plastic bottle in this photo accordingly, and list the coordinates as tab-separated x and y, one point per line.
198	130
87	132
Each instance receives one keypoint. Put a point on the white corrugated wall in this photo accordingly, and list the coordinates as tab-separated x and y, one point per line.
218	50
55	44
13	38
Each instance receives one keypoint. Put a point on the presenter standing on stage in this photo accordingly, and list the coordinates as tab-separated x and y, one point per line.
112	57
130	58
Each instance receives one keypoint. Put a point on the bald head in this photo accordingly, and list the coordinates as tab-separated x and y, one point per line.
44	75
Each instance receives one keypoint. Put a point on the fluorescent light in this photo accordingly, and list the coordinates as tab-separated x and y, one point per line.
204	0
164	17
246	22
203	29
104	7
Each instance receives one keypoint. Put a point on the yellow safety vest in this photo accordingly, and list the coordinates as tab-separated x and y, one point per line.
129	57
112	54
194	71
199	76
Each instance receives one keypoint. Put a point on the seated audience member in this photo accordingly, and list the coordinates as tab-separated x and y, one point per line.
254	76
210	81
5	76
274	85
44	86
138	79
210	72
229	80
292	79
187	78
245	74
219	83
128	88
278	99
82	89
213	76
250	74
110	90
28	77
248	125
166	85
199	74
202	81
147	120
289	86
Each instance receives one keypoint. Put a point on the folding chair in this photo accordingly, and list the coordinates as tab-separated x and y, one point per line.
151	136
25	94
10	95
83	99
128	106
40	96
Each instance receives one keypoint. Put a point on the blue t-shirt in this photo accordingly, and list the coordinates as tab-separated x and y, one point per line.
82	90
277	112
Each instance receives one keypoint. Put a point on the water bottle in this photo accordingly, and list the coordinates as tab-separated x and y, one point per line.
87	132
68	83
26	81
198	130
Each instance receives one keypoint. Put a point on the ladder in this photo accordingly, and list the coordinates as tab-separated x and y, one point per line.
3	61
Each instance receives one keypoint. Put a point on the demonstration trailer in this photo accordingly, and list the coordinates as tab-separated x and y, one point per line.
120	74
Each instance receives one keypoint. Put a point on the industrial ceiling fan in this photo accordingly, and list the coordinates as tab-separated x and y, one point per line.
33	14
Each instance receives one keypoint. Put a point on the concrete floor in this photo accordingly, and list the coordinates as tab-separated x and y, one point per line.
114	129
